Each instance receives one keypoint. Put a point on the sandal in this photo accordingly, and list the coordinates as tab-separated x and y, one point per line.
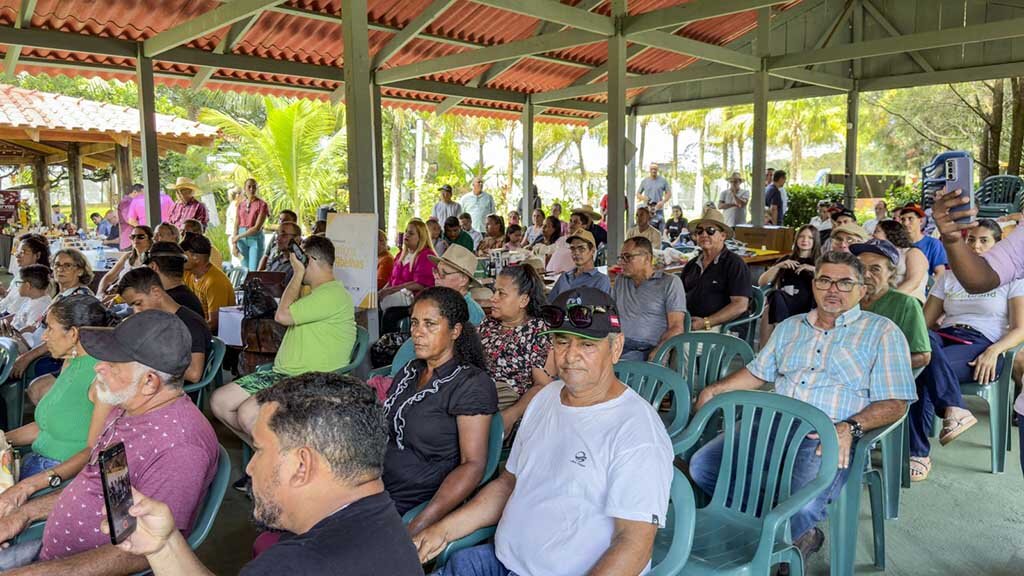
920	467
954	427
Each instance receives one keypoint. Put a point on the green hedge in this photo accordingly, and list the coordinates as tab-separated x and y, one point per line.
803	201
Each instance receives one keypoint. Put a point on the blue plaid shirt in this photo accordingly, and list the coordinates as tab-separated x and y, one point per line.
863	359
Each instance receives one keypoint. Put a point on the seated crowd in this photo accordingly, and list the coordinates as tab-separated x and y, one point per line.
381	483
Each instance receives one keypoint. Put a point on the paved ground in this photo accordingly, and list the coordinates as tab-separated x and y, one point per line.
962	520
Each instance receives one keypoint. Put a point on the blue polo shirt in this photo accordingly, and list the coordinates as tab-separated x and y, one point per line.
590	279
934	251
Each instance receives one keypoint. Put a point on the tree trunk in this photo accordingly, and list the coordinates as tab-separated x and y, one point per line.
480	156
1017	126
643	144
584	193
396	176
725	155
797	148
995	133
739	149
675	156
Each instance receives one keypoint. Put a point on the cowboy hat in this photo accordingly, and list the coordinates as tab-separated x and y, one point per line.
589	211
461	259
713	216
183	183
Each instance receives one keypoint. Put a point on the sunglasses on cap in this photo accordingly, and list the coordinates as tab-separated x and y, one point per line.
581	316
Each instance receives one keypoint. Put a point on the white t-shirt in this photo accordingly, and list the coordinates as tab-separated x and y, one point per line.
988	313
734	216
30	312
820	224
577	469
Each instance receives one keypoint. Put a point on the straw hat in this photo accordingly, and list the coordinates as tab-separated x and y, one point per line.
461	259
185	183
589	211
735	177
853	230
713	216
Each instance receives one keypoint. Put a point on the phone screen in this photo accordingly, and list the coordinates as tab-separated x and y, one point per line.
117	492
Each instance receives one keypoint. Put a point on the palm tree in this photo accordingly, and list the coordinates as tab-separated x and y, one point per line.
644	121
298	156
801	123
678	122
558	141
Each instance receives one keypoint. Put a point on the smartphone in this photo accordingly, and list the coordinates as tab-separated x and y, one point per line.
300	254
959	176
117	492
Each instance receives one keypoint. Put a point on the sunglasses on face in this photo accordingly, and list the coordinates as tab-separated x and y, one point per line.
710	231
577	316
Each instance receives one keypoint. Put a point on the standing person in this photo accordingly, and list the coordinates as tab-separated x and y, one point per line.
881	213
652	304
207	282
247	237
913	218
733	201
536	229
137	210
717	282
125	217
654	193
478	204
56	216
230	219
187	207
774	203
445	207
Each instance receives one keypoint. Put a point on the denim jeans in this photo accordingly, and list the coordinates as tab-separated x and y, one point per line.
34	464
476	561
636	350
20	554
251	248
706	464
938	386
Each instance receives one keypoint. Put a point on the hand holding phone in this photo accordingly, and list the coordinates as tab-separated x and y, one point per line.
300	254
117	492
959	176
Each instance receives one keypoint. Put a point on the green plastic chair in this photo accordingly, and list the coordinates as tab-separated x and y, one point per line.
844	511
13	392
999	395
208	508
494	441
749	320
708	356
672	543
742	532
214	360
656	383
999	195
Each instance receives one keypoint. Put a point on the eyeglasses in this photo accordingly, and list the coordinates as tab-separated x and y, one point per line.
101	443
438	273
710	231
64	266
843	284
139	236
578	316
629	256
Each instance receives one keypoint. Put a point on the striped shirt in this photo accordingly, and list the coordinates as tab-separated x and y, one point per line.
863	359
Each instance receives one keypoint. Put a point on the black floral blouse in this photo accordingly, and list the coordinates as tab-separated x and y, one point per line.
513	354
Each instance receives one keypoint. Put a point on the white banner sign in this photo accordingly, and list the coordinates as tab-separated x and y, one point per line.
355	255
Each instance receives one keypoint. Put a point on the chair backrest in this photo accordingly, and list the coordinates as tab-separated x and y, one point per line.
406	353
763	432
214	361
703	358
358	350
679	524
212	501
8	354
655	383
746	325
999	189
237	276
495	438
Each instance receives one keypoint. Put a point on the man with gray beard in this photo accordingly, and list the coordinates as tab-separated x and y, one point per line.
171	451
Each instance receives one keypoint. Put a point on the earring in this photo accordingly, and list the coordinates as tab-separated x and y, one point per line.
74	352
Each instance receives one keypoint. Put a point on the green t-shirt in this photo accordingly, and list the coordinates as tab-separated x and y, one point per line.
464	240
905	311
64	413
323	335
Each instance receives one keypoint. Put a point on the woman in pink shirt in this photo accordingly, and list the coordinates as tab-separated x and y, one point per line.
247	237
412	271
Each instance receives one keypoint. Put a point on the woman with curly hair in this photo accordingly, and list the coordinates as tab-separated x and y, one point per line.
912	271
438	411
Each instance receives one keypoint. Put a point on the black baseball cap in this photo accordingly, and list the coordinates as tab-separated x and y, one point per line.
196	244
153	338
585	312
842	212
446	188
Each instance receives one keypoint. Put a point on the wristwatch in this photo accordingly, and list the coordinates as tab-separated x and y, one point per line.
707	324
53	479
856	430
